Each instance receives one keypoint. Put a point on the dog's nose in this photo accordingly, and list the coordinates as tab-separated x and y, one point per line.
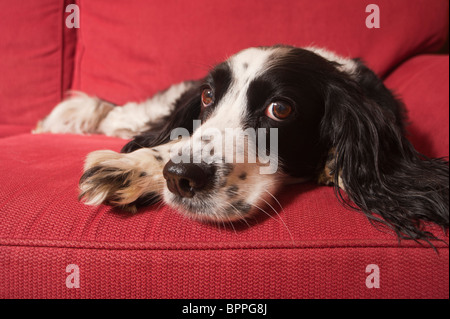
185	179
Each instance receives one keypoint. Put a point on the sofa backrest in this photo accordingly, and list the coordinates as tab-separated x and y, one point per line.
36	58
129	49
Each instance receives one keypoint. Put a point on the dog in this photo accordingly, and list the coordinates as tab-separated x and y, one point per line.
334	121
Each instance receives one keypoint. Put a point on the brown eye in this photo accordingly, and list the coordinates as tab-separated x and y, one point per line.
207	97
278	111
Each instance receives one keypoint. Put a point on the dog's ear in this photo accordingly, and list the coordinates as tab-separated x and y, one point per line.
377	167
187	109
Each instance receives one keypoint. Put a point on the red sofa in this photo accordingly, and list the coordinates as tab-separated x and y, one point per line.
126	50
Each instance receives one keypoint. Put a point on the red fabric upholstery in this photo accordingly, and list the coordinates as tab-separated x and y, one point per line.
126	50
422	83
158	253
123	59
14	129
36	59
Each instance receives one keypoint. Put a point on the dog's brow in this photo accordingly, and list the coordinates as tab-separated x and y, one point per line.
221	74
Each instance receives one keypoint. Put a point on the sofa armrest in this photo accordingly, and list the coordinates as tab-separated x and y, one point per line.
422	83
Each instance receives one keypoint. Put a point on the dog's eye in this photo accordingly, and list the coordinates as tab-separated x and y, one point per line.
207	97
278	111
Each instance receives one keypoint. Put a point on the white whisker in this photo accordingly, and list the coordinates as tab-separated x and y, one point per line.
231	223
278	202
265	212
240	214
281	219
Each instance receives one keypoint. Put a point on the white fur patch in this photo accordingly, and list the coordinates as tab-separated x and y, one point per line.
346	64
83	114
134	118
79	114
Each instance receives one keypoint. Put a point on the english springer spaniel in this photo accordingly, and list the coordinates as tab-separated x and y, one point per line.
326	118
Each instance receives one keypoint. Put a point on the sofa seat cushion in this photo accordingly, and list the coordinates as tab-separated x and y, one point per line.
312	248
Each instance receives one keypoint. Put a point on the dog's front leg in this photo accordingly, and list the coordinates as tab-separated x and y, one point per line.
124	180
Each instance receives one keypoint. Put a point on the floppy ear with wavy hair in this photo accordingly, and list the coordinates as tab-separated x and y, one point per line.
377	167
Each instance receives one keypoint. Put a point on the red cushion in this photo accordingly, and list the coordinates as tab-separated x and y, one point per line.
36	59
14	129
423	85
158	253
128	51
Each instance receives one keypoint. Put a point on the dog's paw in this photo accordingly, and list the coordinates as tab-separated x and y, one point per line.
118	180
79	114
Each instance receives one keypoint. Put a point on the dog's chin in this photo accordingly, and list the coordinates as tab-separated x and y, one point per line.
209	207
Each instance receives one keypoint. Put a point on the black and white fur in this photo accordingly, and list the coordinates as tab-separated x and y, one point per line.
346	130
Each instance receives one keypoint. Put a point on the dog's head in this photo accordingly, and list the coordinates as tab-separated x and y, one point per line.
259	124
272	115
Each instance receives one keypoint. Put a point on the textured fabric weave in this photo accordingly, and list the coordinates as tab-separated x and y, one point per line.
36	59
308	272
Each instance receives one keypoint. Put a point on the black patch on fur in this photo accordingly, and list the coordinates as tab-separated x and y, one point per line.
147	199
119	181
219	80
107	175
158	158
223	182
227	168
243	176
89	173
296	79
232	191
242	206
187	108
